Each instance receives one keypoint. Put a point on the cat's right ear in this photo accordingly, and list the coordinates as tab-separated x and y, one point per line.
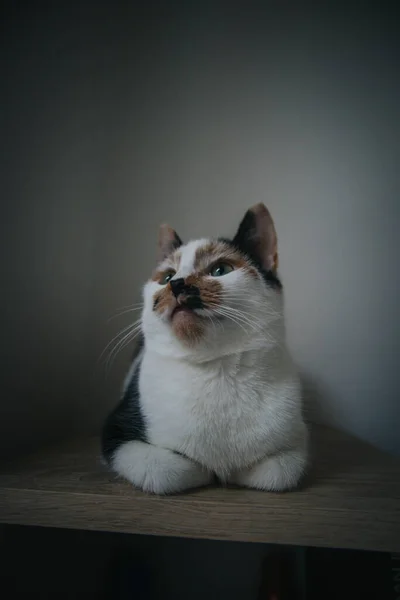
256	237
168	241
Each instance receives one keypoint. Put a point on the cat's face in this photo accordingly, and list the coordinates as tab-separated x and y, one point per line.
208	296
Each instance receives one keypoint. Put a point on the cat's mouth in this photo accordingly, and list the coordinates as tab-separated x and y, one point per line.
187	325
186	311
182	310
186	305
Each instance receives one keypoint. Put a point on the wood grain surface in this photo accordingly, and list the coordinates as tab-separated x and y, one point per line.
350	499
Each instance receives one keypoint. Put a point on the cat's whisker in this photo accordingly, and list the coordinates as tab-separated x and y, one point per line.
240	320
227	315
264	310
124	330
241	313
240	316
263	306
228	310
133	305
120	345
249	305
124	312
215	323
113	340
209	317
256	325
234	321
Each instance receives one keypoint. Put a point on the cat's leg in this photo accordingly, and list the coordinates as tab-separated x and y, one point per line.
158	470
276	473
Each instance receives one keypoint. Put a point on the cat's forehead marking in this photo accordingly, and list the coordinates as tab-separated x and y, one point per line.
176	258
188	256
210	252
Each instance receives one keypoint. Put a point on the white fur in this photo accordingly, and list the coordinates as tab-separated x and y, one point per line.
186	265
155	469
230	403
278	472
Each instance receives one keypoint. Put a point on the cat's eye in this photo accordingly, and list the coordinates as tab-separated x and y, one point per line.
167	276
221	269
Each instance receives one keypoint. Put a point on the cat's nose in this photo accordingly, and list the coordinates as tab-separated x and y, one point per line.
177	286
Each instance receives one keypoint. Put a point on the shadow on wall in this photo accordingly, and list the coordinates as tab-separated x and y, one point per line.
314	398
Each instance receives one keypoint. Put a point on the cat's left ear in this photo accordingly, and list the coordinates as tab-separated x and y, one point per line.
168	241
257	237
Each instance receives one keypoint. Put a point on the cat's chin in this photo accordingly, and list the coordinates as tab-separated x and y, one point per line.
187	326
183	314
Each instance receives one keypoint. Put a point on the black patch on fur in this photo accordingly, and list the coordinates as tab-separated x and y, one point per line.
272	279
245	234
187	294
191	290
192	297
126	422
177	242
193	301
173	245
242	245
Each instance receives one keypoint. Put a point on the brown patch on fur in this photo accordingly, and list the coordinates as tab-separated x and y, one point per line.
216	252
210	289
170	264
189	330
162	300
159	274
252	271
208	254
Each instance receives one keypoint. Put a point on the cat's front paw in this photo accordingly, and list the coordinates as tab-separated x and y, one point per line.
275	473
158	470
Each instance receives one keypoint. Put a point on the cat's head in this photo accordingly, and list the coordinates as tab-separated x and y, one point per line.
210	297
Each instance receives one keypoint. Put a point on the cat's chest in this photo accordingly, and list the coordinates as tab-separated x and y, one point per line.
202	411
165	387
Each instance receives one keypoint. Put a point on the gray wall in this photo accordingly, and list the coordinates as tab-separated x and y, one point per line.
116	120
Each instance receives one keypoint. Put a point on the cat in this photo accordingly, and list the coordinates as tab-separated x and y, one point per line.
212	392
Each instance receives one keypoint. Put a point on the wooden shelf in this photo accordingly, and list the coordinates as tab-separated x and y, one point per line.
351	499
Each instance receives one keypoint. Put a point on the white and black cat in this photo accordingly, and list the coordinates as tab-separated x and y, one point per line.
213	390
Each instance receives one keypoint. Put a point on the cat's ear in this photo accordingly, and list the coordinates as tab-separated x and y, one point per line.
257	237
168	241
